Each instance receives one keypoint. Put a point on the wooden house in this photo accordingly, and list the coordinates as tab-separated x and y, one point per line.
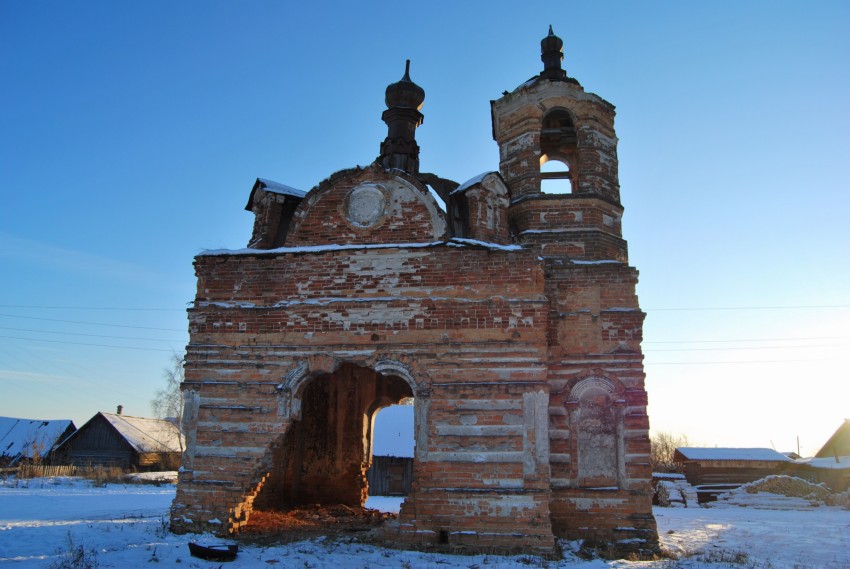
715	470
30	440
838	444
831	464
110	439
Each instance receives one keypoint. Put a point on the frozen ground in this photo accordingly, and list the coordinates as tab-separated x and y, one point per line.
126	526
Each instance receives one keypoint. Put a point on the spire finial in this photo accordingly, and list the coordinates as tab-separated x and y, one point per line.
406	71
551	33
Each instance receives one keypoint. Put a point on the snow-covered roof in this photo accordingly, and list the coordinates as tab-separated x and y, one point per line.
831	463
22	438
721	453
278	188
146	435
471	182
667	476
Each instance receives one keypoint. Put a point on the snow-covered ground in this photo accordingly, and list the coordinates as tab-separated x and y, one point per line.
126	526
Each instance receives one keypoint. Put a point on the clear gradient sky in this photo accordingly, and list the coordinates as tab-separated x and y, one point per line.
131	134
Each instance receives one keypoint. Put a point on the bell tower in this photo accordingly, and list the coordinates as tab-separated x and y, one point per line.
574	207
570	216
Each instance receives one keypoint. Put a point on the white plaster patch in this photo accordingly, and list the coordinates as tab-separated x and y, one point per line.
592	503
376	315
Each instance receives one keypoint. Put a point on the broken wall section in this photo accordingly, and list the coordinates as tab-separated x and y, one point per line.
324	456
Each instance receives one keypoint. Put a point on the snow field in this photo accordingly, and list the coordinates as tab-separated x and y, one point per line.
126	526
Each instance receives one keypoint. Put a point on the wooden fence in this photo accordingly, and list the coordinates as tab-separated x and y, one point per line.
43	470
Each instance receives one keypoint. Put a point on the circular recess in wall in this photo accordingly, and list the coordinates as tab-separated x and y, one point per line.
365	205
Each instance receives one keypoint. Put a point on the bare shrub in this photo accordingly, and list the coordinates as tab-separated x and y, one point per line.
75	556
168	402
102	475
662	495
725	556
662	448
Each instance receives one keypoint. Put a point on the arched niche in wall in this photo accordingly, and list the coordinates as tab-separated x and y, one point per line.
596	419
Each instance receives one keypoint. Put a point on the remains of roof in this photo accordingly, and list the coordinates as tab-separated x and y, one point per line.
273	188
278	188
453	242
472	181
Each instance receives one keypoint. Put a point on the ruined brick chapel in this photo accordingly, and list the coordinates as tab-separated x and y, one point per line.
509	318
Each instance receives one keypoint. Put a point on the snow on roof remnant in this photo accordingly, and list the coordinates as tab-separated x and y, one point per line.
147	435
764	454
278	188
840	463
471	182
465	241
25	438
453	242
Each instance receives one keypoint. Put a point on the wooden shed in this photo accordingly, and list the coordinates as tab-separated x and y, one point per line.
390	475
109	439
715	470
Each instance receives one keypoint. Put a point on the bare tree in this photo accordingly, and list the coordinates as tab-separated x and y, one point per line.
168	402
662	448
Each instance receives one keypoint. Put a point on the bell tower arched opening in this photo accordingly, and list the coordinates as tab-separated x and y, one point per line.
558	144
555	176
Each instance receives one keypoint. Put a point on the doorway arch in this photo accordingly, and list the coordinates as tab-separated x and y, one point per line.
325	453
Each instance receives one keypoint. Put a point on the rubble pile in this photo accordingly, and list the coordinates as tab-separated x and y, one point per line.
313	520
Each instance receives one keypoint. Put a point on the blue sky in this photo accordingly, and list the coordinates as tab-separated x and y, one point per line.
131	134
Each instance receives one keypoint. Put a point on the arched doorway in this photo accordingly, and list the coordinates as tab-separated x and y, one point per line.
325	453
391	470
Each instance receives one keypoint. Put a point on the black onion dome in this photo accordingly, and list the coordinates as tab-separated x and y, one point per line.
551	53
551	42
405	93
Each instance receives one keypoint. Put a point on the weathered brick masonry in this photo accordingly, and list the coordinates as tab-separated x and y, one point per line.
510	318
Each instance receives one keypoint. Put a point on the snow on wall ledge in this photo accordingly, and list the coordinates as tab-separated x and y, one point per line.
454	242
